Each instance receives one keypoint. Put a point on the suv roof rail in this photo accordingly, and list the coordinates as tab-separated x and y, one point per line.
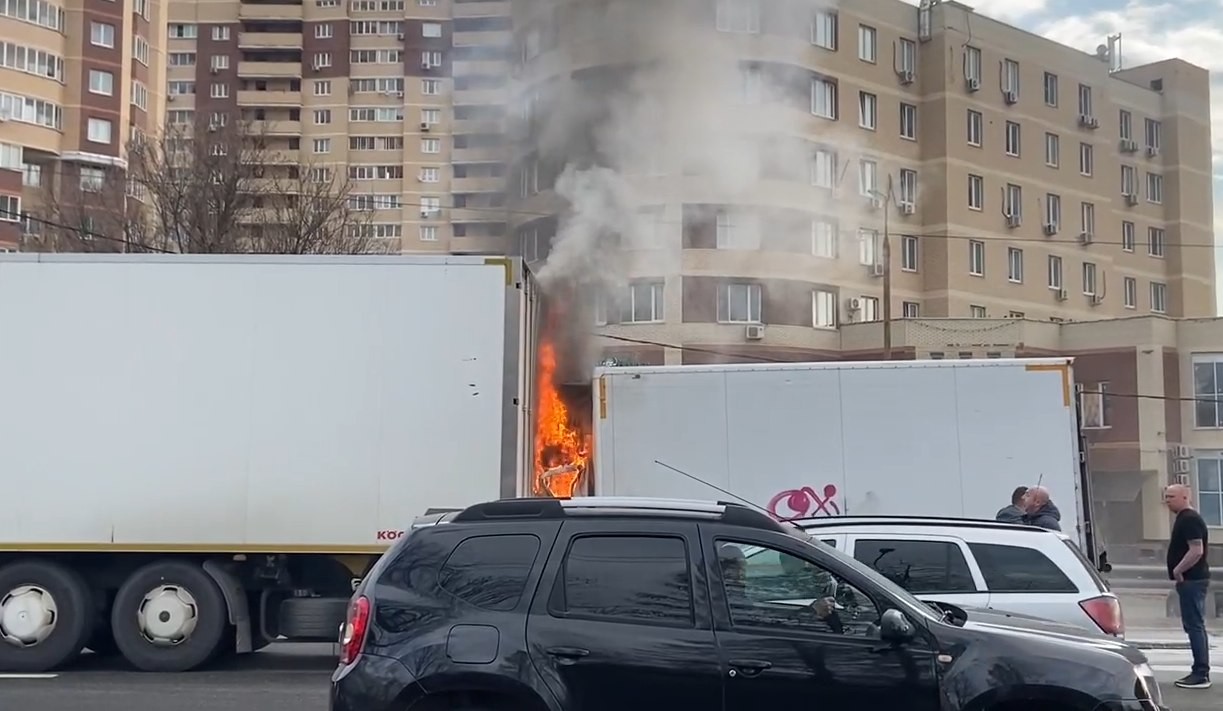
548	508
862	519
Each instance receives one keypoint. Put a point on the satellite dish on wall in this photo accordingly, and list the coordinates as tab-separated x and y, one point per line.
1102	51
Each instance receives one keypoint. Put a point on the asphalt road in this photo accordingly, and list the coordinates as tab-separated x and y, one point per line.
283	678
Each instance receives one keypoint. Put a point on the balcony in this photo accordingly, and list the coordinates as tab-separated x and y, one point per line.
276	128
285	70
485	184
481	154
251	11
269	40
477	126
481	9
477	245
270	98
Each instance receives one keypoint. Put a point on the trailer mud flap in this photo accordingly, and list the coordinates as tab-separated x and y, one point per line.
235	603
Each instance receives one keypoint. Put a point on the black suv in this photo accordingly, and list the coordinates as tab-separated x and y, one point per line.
607	604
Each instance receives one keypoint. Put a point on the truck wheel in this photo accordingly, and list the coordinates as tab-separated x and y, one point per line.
169	617
46	616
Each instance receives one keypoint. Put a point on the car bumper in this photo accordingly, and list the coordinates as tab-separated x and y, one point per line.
373	683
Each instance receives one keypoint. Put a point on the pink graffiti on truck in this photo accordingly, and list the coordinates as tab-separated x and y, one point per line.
805	503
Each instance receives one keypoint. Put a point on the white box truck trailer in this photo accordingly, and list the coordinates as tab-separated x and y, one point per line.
935	438
202	453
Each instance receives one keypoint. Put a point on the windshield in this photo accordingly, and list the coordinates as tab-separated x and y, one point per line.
903	596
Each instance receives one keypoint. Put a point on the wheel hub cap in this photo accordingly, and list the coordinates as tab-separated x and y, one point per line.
27	615
168	615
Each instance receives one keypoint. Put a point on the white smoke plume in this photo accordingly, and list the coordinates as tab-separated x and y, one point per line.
658	94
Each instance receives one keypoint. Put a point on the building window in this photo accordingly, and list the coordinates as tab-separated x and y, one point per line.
219	90
430	146
869	312
220	34
742	16
976	128
823	309
1086	107
908	121
1155	188
739	303
92	179
1129	181
1014	265
1210	489
1127	236
972	64
824	238
1055	272
101	82
645	303
1089	279
1125	125
868	51
977	312
1010	77
1093	403
869	247
1012	138
976	192
976	257
908	187
430	87
910	309
322	117
99	130
430	29
322	145
1154	135
10	208
1129	289
824	98
909	256
102	34
1155	241
868	178
1087	159
824	168
1087	219
1050	89
1053	213
867	109
824	29
1053	149
428	233
1159	298
1208	390
1013	207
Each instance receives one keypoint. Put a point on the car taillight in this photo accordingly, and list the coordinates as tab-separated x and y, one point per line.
352	639
1105	611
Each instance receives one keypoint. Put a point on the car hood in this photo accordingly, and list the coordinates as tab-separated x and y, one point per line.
1010	623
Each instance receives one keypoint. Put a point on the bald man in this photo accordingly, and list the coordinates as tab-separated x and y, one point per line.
1187	566
1039	509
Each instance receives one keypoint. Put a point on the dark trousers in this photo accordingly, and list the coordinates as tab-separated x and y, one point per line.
1192	594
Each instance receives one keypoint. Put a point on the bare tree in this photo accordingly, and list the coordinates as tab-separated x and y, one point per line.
213	188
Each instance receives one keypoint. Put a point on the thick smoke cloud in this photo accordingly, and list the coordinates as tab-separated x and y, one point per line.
658	93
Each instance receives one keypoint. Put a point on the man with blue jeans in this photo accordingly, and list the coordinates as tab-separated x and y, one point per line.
1187	565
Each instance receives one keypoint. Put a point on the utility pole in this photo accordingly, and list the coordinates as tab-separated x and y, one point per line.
887	274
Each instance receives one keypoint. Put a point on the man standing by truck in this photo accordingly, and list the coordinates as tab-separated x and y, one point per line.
1014	512
1040	509
1188	567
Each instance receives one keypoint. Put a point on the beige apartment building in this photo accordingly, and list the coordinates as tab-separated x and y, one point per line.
77	78
1011	176
406	96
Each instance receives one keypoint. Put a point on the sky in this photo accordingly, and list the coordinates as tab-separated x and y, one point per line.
1151	30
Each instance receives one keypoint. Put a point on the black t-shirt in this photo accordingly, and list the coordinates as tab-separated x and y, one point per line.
1189	526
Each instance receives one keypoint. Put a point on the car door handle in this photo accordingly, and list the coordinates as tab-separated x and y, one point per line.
749	667
571	654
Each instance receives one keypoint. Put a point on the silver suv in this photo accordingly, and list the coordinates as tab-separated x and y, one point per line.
980	564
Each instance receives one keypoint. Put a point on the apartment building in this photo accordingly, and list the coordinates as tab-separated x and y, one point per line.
1010	175
406	96
77	78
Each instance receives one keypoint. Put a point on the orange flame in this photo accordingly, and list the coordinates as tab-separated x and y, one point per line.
562	451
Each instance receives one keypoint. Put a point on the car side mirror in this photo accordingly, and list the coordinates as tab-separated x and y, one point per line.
895	627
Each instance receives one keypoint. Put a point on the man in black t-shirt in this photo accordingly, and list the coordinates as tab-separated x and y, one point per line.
1187	565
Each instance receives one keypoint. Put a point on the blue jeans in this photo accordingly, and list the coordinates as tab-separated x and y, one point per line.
1192	594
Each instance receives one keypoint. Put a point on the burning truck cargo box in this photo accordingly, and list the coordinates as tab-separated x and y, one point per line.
562	409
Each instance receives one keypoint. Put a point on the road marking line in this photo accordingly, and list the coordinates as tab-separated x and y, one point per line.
28	676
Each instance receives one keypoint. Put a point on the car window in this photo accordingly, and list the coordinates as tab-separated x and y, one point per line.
769	588
642	579
490	572
921	567
1017	569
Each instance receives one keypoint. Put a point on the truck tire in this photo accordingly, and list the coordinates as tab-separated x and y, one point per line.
46	616
312	619
169	616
